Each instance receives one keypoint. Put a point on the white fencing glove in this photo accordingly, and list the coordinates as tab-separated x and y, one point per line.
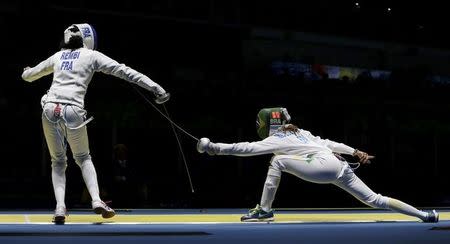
204	145
160	99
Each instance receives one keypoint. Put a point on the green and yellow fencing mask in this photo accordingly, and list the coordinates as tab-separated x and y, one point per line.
269	120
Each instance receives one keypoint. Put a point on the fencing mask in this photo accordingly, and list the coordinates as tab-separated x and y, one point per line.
86	31
269	120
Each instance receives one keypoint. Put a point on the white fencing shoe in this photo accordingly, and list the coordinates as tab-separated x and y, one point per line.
100	207
432	217
60	215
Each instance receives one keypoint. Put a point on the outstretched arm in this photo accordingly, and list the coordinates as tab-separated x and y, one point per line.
109	66
269	145
42	69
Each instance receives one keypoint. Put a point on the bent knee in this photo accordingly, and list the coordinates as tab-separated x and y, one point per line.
276	165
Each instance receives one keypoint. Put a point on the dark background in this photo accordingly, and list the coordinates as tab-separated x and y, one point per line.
214	58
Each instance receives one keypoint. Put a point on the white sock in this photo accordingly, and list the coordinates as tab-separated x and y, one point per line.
59	184
90	178
404	208
269	191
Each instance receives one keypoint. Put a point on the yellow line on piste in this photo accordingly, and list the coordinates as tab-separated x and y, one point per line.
212	218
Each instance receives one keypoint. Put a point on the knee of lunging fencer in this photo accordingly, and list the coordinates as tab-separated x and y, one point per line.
276	165
82	158
273	171
376	201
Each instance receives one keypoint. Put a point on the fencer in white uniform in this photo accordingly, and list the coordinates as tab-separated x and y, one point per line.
311	158
64	116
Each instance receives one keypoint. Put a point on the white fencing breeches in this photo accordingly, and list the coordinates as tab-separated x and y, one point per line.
56	125
326	168
323	169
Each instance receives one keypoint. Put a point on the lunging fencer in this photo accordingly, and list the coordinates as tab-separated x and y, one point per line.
298	152
64	117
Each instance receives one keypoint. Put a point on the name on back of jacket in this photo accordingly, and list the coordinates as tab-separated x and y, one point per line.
68	57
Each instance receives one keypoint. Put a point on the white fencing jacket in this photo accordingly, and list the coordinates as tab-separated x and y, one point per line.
73	71
301	143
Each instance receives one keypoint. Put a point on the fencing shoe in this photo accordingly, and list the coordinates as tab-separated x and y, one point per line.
60	215
100	207
257	214
432	217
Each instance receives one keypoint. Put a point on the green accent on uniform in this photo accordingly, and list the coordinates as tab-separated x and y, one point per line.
309	158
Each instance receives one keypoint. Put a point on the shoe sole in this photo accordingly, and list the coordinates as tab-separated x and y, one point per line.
59	220
259	220
105	214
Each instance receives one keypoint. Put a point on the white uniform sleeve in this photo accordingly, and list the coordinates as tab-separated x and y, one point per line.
266	146
42	69
109	66
334	146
